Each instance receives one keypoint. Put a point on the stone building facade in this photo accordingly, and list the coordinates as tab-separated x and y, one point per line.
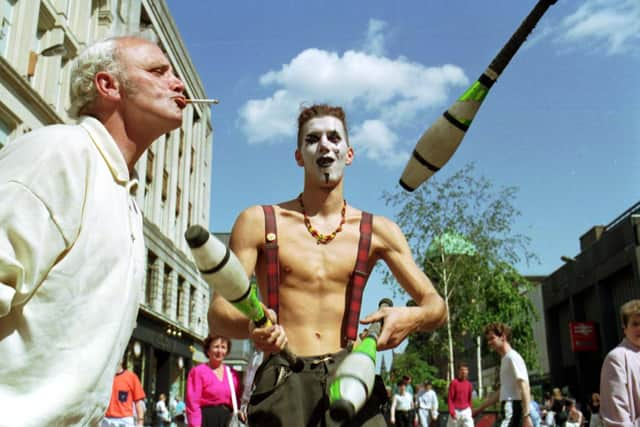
38	41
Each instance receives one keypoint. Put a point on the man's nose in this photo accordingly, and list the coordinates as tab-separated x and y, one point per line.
176	84
325	144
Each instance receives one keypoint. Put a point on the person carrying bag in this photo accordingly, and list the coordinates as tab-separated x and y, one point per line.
237	416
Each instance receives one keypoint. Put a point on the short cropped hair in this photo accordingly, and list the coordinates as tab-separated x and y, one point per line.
499	329
210	339
629	309
463	365
102	55
321	110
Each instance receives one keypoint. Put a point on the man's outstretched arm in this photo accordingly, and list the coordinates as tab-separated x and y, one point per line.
391	246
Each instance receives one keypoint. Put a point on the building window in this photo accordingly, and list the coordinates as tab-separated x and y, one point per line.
179	309
165	184
148	291
181	147
6	18
166	297
5	131
167	151
145	21
192	306
149	173
41	80
178	201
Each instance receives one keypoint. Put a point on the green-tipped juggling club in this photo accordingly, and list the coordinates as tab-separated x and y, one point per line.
355	376
223	272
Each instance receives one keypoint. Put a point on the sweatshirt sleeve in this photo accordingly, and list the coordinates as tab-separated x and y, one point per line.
43	178
452	411
615	401
192	399
30	244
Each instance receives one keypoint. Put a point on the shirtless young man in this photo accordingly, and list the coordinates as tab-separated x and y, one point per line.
318	237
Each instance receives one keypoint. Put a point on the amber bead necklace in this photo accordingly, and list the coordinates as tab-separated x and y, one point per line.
323	238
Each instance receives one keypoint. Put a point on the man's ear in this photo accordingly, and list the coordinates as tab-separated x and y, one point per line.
350	155
107	86
299	159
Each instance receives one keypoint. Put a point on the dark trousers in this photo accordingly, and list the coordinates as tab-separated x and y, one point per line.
215	416
283	398
511	413
404	418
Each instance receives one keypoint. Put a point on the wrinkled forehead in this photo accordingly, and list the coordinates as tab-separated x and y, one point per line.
324	124
135	51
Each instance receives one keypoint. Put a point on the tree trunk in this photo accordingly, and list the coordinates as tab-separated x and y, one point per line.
479	357
445	284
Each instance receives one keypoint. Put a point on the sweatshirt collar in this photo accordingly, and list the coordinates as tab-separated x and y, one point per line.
108	148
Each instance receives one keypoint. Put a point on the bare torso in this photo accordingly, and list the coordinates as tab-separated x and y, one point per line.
313	279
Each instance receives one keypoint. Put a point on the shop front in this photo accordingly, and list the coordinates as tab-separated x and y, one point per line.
161	354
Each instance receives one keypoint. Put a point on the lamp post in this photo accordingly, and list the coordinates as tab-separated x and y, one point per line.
58	49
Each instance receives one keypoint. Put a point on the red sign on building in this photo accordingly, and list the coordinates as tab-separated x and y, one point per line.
583	336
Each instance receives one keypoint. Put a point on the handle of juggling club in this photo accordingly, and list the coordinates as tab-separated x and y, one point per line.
222	270
518	38
294	361
376	327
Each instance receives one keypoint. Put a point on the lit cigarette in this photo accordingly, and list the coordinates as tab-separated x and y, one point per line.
202	101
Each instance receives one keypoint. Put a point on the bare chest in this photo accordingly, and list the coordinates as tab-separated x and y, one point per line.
320	267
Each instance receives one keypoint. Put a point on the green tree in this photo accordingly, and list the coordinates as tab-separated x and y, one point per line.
475	273
412	364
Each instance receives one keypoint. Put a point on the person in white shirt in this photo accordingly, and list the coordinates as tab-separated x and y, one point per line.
514	393
401	407
427	405
72	254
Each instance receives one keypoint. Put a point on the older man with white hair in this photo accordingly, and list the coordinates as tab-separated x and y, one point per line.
72	255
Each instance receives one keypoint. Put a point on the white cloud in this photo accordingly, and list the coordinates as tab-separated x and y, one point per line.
375	37
377	142
612	26
381	95
264	120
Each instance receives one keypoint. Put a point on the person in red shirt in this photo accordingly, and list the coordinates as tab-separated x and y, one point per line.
459	400
125	391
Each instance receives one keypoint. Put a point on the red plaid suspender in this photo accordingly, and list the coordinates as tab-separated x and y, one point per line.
271	254
357	282
356	285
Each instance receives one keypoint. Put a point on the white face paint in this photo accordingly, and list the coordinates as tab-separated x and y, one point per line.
324	151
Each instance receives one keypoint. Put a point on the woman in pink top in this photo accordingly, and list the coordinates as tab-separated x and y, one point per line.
208	395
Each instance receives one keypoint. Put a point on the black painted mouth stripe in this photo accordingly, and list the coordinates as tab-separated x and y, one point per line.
424	162
220	265
455	121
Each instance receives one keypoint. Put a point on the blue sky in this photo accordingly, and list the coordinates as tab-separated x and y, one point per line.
562	123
